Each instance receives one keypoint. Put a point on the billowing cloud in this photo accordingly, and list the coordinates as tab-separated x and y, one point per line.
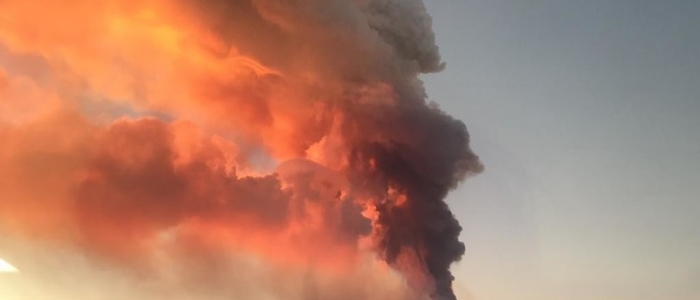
207	135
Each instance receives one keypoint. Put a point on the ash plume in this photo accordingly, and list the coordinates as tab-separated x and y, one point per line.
294	132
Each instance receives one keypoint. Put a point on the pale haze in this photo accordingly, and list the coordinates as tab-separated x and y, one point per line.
587	117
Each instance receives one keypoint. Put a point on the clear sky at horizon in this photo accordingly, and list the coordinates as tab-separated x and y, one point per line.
587	117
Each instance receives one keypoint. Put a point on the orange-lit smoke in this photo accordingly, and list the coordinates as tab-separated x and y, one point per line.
291	132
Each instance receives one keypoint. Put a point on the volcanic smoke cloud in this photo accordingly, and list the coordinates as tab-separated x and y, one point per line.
229	149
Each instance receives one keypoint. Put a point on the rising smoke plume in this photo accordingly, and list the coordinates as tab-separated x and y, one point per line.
296	133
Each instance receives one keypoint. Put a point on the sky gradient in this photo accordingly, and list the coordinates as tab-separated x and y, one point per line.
587	116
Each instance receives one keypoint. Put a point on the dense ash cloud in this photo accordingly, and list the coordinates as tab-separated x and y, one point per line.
297	132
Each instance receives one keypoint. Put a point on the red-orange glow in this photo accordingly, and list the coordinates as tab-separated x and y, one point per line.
296	133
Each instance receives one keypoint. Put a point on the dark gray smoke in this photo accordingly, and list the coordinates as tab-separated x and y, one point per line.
424	154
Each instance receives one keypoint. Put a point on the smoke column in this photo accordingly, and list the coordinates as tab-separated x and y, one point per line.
157	136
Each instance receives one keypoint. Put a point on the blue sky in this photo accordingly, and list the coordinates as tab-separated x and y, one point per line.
587	117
